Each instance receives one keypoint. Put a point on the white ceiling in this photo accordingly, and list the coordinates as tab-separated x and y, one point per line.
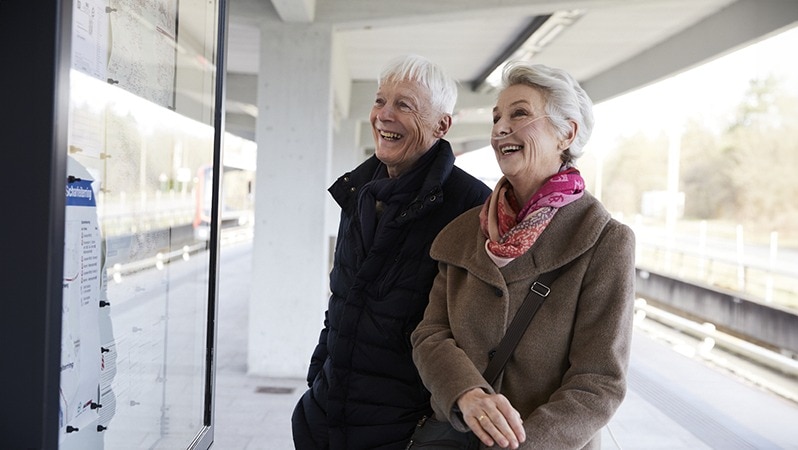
615	46
466	39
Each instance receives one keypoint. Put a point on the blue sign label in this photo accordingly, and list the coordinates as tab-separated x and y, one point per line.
79	193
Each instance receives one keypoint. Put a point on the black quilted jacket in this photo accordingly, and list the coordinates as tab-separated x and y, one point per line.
362	378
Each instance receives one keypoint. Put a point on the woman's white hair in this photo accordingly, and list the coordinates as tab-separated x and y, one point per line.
442	88
565	101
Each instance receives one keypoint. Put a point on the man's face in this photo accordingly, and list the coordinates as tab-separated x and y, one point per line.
404	124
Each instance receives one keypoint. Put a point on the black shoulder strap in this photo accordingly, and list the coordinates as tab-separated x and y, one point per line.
534	298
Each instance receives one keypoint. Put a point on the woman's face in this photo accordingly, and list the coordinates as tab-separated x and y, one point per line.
524	141
404	124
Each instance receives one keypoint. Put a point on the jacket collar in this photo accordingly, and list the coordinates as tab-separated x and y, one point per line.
346	188
573	230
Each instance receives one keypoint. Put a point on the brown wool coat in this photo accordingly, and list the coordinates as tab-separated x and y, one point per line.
567	377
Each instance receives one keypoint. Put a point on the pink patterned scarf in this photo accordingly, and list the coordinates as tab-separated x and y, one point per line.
511	233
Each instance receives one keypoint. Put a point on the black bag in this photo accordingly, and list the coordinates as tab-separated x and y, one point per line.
433	434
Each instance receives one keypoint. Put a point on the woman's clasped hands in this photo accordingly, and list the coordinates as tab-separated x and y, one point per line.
492	418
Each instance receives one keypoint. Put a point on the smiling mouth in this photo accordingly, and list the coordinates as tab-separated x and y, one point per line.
388	136
507	149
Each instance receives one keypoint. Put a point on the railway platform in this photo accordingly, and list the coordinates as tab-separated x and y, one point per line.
677	399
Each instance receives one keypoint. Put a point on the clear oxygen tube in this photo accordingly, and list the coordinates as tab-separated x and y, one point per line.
503	135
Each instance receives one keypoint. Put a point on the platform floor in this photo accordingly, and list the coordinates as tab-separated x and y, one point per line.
674	402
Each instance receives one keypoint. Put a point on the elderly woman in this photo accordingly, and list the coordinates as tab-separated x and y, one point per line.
365	392
567	376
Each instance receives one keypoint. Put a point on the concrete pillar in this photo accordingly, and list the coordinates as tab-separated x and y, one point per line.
348	152
290	249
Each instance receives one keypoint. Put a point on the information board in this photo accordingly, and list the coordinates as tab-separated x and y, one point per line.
80	337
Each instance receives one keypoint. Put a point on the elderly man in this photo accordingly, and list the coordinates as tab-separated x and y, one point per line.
365	392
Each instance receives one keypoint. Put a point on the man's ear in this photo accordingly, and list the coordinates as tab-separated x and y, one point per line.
443	126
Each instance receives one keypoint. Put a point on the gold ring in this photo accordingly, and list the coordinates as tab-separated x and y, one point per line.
481	417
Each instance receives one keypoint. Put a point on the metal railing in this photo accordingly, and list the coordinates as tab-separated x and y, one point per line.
709	338
764	271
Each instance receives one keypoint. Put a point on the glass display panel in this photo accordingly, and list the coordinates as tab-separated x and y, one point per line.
137	265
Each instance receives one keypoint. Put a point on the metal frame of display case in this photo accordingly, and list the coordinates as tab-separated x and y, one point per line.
36	39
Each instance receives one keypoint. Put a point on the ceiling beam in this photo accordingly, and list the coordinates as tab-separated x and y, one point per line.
534	24
371	13
741	23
